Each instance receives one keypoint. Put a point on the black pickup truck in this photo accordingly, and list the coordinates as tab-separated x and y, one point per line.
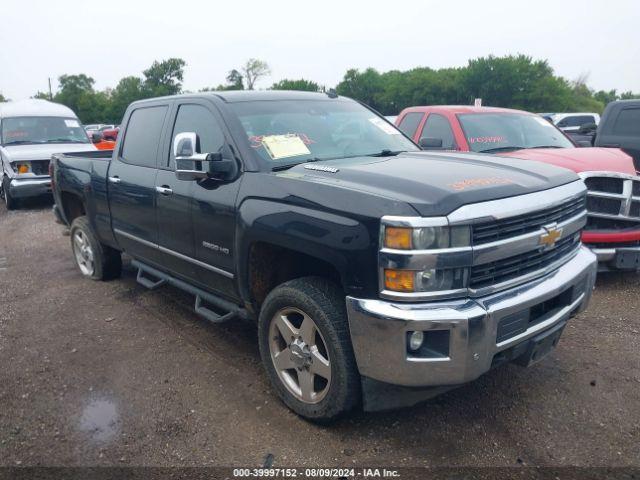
378	274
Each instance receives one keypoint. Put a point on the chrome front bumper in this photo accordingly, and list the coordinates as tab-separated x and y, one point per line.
379	328
29	187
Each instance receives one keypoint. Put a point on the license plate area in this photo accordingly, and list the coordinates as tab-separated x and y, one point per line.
627	259
540	346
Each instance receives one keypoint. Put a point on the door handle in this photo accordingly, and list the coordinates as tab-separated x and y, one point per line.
164	190
115	179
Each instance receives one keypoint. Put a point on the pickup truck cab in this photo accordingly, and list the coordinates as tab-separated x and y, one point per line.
377	274
620	128
613	204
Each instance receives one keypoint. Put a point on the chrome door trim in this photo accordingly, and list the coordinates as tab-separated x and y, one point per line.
175	254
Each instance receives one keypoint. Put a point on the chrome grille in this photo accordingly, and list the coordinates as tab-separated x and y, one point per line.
505	269
613	200
495	230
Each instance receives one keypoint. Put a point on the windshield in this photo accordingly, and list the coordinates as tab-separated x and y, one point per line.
296	131
492	132
32	130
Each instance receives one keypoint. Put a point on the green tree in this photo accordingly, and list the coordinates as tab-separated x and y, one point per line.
302	84
129	89
253	70
72	88
165	78
365	86
629	95
2	98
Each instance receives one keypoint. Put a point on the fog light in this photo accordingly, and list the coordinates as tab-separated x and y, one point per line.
415	340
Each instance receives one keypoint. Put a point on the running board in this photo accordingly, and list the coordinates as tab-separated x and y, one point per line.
204	300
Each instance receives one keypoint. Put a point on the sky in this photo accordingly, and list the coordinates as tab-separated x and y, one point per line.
111	39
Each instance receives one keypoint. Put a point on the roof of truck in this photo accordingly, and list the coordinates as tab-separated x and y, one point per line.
463	109
34	107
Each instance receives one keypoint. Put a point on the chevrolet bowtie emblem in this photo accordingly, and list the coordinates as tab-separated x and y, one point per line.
551	235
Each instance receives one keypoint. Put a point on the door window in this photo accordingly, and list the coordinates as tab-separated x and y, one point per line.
143	136
198	119
628	122
576	121
437	126
409	123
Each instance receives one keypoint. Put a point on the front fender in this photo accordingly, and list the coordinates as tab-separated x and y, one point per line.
346	243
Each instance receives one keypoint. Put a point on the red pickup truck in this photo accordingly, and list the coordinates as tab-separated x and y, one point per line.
613	201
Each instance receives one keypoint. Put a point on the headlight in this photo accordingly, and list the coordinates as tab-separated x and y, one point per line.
22	167
426	238
430	280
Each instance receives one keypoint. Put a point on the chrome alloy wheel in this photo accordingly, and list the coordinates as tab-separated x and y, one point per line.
300	355
83	252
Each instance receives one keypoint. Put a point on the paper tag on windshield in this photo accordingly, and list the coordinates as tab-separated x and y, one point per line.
384	126
72	123
283	146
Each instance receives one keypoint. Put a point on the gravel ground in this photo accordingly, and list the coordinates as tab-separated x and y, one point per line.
108	373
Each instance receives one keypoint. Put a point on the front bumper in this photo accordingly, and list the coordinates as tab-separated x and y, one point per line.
379	328
616	250
29	187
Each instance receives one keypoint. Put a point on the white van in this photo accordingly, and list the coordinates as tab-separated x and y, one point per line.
30	132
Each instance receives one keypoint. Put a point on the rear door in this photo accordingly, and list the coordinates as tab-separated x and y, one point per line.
132	181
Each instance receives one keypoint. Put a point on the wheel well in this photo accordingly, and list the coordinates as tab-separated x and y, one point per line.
72	205
270	265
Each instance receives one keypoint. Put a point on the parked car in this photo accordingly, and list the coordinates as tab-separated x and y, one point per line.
93	127
111	133
571	122
369	275
30	132
620	128
613	227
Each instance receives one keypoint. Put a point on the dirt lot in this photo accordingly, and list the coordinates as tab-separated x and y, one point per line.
108	373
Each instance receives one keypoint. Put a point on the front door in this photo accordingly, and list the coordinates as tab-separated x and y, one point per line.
197	220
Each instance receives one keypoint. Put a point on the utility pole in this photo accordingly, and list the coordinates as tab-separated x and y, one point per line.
50	94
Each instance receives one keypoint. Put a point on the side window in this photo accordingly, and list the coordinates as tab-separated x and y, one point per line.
198	119
437	126
409	123
628	122
142	136
576	120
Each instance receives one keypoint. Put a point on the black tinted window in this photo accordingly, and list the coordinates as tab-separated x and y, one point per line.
576	121
198	119
410	122
438	126
142	136
628	122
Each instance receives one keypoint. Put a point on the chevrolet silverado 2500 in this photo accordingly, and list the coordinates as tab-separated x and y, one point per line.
377	274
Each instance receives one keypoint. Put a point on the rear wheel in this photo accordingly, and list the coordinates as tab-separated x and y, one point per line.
11	202
306	348
94	260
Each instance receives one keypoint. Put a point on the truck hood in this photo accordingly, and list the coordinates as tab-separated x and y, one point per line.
580	159
437	183
15	153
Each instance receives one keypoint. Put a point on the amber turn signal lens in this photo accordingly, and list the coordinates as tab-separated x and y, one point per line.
398	237
22	168
399	280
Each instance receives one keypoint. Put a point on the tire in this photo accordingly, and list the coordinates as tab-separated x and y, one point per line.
12	203
95	260
328	349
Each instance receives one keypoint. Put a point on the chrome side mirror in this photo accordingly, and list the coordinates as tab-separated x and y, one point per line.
188	159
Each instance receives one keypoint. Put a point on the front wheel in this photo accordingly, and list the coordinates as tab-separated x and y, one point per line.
94	260
306	348
12	203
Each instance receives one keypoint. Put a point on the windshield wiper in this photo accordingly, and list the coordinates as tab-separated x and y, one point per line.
502	149
278	168
20	142
547	146
64	140
386	153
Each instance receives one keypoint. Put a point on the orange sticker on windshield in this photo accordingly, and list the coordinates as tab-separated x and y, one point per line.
479	182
